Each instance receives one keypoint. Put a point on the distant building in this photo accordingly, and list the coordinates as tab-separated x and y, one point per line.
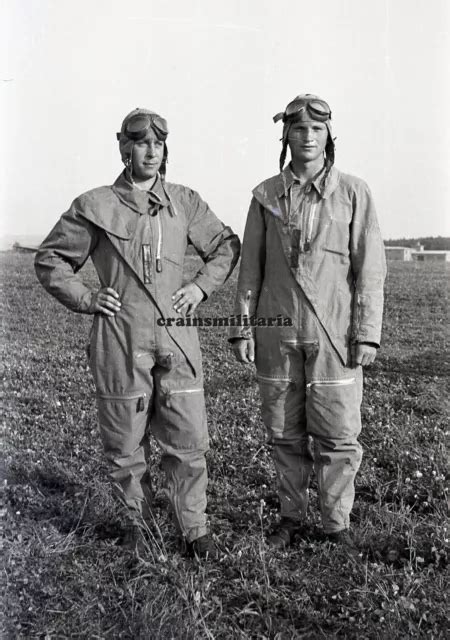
431	256
398	253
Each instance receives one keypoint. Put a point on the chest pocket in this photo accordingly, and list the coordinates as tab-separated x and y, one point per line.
339	218
174	237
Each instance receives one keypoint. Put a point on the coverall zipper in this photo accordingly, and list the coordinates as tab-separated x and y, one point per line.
140	397
309	227
147	255
159	244
125	396
176	391
269	379
331	383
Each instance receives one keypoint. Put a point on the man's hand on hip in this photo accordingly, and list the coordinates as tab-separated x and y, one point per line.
105	301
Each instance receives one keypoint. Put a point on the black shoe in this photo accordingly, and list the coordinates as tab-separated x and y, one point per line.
343	539
283	534
203	548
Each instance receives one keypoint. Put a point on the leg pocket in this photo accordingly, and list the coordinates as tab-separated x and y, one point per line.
282	407
333	407
122	421
179	419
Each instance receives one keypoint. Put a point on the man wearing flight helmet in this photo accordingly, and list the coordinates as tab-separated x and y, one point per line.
146	373
312	251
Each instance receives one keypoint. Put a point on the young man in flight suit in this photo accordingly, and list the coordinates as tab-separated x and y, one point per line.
146	373
312	252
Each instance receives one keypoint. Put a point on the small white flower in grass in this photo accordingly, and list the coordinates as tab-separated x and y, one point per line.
407	480
418	474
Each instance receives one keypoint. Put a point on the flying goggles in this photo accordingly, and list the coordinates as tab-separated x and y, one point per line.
316	108
138	126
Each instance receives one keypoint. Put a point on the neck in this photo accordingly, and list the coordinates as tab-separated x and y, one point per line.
142	185
145	185
306	170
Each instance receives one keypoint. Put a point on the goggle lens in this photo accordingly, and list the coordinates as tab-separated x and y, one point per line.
317	109
137	126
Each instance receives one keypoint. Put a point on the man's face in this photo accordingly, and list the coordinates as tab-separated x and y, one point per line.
307	140
147	156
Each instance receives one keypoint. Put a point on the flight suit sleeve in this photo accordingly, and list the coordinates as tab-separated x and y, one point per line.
369	268
62	254
217	245
251	272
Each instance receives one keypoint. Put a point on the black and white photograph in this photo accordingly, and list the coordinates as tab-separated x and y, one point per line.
224	268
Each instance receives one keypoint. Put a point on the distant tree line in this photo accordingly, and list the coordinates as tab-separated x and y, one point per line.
429	243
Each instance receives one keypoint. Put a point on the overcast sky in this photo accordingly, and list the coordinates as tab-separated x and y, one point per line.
218	71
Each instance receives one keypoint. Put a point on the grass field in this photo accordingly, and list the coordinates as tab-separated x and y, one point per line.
66	576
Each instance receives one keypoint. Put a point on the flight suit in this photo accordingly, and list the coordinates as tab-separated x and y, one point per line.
320	264
145	372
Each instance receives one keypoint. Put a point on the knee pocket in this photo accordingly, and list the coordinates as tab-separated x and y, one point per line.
179	419
282	406
333	408
122	421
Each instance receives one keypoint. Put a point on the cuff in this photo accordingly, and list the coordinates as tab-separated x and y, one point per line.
85	303
205	285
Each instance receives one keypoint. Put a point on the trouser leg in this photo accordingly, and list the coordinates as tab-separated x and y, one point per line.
283	413
123	420
333	416
179	425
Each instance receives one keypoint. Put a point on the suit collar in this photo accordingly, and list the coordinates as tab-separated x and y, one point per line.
139	200
286	179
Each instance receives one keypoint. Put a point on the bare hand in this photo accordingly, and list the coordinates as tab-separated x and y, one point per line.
363	354
106	301
187	298
244	350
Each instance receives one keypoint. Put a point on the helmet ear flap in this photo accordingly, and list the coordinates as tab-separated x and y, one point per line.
286	127
162	168
330	151
283	153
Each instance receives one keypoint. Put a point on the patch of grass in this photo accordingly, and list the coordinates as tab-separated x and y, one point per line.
66	575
